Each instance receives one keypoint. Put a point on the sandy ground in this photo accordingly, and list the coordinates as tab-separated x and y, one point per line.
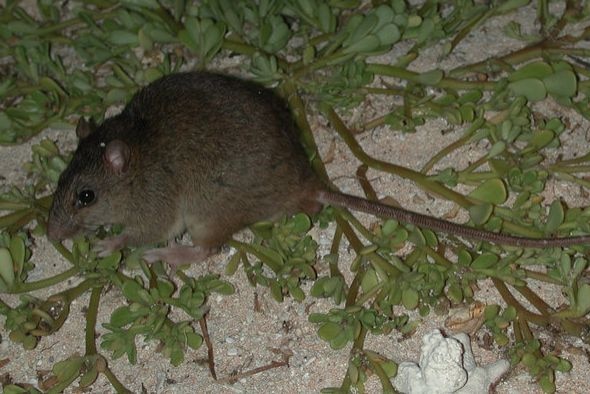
244	338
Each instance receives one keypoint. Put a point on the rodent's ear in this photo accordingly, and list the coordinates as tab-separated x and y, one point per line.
85	127
116	156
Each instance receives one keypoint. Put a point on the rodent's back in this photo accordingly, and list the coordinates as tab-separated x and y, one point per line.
223	118
203	106
219	135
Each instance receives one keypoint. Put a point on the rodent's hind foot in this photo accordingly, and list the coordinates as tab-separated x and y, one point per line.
178	255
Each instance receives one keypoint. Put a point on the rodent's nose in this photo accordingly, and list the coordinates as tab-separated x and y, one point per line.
53	232
56	231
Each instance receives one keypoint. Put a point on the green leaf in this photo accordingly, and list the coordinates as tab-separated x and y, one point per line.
509	313
89	377
486	260
366	44
340	341
165	288
431	77
329	331
353	373
540	139
580	265
14	389
491	311
370	280
110	262
509	5
480	213
410	298
297	294
68	369
563	83
274	34
224	288
470	96
563	365
317	318
326	19
496	149
123	37
389	226
388	35
300	223
492	191
133	291
547	384
467	113
276	291
122	316
135	4
565	264
464	258
116	95
555	217
537	70
233	264
156	33
531	88
362	30
145	40
390	368
193	340
6	268
455	293
583	300
385	15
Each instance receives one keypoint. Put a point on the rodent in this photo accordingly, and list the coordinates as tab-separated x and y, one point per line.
209	154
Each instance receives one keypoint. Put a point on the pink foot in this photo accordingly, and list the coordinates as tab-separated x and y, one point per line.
177	255
107	246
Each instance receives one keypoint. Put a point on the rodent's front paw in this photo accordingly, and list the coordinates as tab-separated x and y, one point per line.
105	247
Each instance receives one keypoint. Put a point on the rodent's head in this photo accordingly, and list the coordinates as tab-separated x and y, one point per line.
84	199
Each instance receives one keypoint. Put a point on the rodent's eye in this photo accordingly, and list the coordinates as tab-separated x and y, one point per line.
85	198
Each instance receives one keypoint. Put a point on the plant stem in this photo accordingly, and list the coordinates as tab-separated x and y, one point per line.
91	317
523	313
248	248
46	31
371	293
234	44
407	173
43	283
117	385
450	148
444	83
334	251
542	277
375	361
289	90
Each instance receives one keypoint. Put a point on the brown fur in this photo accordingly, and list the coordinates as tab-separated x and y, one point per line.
209	153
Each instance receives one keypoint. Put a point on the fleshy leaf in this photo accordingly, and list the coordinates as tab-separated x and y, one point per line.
563	83
492	191
531	88
555	217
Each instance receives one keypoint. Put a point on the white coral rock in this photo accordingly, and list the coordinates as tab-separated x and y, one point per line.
447	365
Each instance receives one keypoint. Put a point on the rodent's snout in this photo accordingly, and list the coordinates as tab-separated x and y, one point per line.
57	230
54	233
